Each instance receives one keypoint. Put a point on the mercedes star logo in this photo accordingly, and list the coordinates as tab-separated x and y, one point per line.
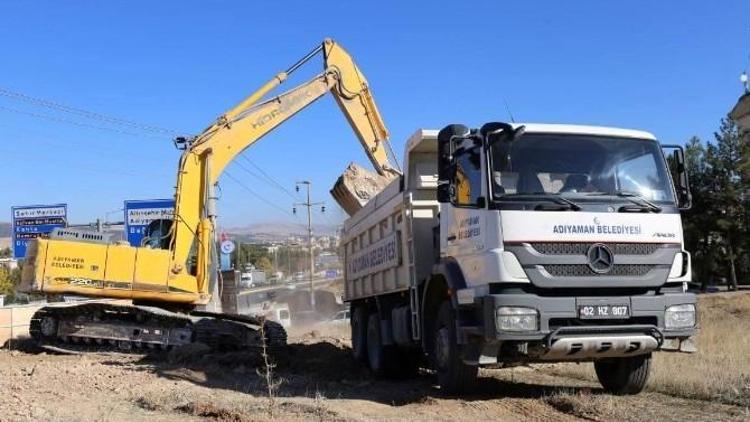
600	258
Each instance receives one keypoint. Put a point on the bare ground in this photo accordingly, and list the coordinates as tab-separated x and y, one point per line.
320	381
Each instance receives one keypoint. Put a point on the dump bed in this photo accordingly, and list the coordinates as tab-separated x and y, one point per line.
377	239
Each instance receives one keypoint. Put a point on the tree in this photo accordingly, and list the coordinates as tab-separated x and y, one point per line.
9	280
293	258
264	264
698	222
256	255
716	228
6	253
729	164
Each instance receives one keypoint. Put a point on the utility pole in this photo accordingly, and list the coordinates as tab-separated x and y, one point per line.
275	259
309	206
238	250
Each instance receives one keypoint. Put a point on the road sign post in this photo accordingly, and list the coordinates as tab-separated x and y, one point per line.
32	221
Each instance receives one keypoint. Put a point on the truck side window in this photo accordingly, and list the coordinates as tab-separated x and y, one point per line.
467	181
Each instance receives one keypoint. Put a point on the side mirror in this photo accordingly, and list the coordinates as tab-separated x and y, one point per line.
676	163
501	132
445	159
444	192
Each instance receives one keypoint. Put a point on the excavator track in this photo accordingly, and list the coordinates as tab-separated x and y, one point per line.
105	328
222	331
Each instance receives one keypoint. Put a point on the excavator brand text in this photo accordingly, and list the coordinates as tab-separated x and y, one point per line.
285	104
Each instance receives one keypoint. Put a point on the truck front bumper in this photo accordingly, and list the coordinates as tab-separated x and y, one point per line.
559	333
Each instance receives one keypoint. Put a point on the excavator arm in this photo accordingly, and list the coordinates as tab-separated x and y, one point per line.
183	276
207	155
249	121
184	273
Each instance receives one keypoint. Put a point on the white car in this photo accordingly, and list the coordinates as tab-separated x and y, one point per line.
341	317
246	281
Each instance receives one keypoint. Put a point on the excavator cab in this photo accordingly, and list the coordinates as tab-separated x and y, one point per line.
158	234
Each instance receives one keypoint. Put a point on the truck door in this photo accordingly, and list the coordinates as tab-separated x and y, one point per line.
463	219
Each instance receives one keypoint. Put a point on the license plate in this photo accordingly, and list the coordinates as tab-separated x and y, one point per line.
603	311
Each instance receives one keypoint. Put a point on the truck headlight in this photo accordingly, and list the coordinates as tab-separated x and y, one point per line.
679	316
517	319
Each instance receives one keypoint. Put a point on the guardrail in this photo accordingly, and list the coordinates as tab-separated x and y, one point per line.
14	322
15	319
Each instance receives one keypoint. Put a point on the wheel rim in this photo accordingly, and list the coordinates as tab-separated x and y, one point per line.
442	348
48	326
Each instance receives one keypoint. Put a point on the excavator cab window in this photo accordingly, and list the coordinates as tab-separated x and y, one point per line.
192	260
158	234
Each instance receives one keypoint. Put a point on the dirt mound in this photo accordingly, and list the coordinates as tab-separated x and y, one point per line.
209	410
319	380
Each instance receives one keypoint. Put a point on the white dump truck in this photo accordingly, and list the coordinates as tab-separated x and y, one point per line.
522	243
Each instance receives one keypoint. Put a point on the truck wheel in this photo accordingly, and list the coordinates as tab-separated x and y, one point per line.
408	362
359	334
454	376
624	375
381	358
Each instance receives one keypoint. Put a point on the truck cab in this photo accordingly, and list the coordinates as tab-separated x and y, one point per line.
522	243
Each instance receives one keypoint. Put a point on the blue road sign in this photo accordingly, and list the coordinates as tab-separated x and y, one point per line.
225	261
138	215
32	221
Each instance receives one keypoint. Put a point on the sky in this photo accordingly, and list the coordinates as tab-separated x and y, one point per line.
671	68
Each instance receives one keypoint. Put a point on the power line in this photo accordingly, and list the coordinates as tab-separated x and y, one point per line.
250	172
247	170
18	96
75	123
270	179
88	169
327	219
257	195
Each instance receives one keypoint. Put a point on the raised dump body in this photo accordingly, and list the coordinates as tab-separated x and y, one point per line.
514	244
378	238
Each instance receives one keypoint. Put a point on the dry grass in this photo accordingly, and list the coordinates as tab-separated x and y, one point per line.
584	405
719	371
267	373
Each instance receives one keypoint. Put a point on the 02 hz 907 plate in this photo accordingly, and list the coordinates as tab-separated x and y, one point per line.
603	311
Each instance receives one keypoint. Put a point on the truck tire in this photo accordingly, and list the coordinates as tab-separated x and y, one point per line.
359	333
454	376
408	362
382	359
624	376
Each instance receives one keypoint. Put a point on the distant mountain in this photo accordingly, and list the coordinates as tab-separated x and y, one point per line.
5	229
275	232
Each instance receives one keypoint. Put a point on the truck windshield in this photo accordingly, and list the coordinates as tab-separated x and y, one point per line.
580	167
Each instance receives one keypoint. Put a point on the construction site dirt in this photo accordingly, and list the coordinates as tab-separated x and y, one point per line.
317	379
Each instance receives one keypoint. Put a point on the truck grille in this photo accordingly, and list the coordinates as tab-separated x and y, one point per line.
583	270
568	265
581	248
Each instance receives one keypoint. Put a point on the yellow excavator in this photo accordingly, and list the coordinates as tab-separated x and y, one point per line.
174	279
